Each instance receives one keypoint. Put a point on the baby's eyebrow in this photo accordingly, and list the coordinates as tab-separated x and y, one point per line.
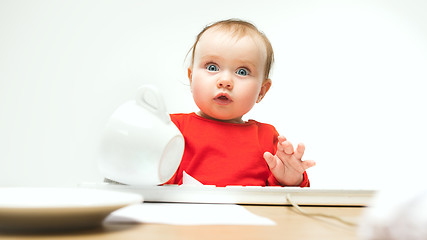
247	63
211	57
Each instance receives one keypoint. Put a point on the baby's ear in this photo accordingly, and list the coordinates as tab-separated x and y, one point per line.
266	84
190	75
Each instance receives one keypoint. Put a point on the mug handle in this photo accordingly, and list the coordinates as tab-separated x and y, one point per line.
158	107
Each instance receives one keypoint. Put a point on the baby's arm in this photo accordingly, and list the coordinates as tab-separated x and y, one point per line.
287	166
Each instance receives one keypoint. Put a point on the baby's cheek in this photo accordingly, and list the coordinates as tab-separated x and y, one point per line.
249	99
197	92
200	96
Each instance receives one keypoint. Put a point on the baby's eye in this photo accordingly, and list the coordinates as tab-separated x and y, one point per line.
212	68
242	72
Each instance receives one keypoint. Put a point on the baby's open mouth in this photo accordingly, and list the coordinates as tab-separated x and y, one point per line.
222	99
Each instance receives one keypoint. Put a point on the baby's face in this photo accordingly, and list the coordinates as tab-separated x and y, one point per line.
227	75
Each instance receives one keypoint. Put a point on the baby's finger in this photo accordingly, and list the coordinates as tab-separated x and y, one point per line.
288	148
299	151
271	161
308	164
281	138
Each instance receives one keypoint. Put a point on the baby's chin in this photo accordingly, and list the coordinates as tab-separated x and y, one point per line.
221	117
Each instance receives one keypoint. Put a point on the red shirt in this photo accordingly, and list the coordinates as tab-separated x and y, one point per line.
221	154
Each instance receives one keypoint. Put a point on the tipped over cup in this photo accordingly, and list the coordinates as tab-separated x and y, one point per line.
140	145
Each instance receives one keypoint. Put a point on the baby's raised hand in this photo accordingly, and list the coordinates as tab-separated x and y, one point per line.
287	166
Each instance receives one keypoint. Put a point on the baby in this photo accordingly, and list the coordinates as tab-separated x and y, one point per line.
229	73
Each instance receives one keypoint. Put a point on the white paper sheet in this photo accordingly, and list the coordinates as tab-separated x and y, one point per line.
187	179
188	214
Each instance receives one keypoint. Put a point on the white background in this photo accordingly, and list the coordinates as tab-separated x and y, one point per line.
349	81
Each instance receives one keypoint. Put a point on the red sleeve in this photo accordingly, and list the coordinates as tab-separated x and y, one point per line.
305	182
176	119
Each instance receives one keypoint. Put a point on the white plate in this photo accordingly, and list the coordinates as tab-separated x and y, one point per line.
59	208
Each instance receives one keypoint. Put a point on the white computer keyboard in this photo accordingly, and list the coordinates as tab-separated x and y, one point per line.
244	195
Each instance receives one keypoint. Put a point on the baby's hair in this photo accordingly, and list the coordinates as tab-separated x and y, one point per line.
239	29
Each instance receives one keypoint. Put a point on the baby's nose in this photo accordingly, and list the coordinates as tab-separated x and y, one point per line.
225	81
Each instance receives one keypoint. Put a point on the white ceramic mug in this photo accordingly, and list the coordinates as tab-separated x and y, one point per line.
140	144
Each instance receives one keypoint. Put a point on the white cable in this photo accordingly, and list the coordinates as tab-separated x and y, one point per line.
301	211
